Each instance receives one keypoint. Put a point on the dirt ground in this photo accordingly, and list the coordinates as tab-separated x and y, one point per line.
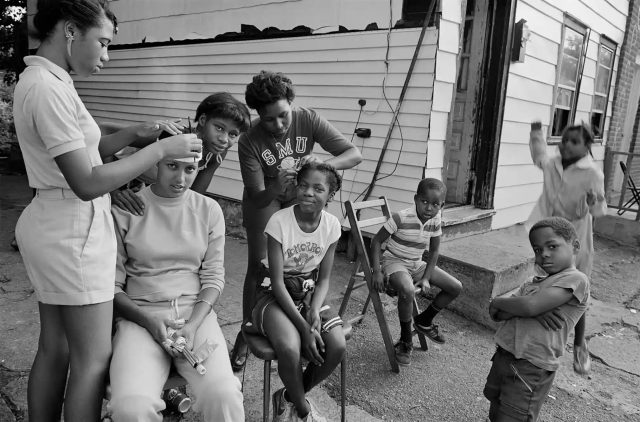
444	383
608	394
616	274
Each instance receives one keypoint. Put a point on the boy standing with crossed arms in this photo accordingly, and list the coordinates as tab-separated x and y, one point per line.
528	353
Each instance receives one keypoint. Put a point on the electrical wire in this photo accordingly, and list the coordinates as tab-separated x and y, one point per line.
342	210
384	94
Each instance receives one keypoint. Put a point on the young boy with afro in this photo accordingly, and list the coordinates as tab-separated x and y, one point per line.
528	352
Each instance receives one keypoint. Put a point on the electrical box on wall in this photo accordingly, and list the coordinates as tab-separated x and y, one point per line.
520	37
363	132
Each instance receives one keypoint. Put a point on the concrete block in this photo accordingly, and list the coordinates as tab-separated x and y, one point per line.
619	229
488	265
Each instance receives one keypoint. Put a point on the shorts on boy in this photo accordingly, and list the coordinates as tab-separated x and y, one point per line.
391	264
516	388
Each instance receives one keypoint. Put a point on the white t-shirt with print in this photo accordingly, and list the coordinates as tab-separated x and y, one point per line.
303	252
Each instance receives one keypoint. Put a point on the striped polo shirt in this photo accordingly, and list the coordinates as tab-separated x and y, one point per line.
409	237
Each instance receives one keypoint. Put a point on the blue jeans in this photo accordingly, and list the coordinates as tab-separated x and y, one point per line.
516	388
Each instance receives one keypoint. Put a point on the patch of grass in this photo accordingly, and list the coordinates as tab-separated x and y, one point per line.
7	128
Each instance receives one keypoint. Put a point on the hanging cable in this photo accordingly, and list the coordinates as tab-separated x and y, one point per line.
401	98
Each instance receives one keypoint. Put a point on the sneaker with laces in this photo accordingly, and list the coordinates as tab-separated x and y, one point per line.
283	411
403	352
430	331
313	415
581	359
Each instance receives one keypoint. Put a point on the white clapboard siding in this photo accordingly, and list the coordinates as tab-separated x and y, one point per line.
530	94
161	19
330	73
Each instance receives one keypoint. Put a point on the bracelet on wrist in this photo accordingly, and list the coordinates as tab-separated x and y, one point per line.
207	302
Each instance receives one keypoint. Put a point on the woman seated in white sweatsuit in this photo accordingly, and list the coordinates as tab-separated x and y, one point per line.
170	267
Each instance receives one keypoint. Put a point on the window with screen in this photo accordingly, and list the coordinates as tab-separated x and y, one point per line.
571	56
602	86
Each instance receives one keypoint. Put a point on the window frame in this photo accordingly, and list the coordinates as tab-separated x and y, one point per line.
580	27
608	43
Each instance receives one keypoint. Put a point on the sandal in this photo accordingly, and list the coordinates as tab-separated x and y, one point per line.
239	354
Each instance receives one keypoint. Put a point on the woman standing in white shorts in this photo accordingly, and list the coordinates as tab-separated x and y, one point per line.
66	234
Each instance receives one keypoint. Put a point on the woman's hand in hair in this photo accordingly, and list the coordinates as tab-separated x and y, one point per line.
286	177
181	146
309	159
150	131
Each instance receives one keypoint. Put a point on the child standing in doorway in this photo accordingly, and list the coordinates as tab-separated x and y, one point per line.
574	189
528	354
289	311
409	232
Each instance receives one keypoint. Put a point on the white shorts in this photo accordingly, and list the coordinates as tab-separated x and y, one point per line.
68	247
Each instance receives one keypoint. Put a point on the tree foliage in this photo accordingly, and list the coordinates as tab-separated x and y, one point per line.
13	37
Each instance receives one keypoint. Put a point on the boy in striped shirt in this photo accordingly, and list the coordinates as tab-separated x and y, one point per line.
411	232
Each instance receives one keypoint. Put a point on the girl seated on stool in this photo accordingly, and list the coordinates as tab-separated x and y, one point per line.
301	242
170	270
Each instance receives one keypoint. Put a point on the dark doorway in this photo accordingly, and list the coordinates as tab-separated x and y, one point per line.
499	41
476	122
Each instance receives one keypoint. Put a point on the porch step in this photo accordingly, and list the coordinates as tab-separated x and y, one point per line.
465	221
457	222
488	265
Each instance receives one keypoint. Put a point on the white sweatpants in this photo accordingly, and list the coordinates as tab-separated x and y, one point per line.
140	367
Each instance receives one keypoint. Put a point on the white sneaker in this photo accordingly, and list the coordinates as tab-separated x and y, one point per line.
283	411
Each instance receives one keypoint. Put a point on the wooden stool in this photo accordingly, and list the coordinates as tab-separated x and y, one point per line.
261	348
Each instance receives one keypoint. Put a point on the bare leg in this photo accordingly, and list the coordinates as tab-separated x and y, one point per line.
581	358
285	339
578	339
450	287
257	250
88	330
257	245
335	347
403	283
48	376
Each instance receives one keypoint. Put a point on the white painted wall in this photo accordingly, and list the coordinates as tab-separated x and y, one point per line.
444	85
330	72
180	18
530	94
157	20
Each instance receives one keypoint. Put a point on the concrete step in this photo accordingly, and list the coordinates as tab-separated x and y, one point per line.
623	228
488	265
465	220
